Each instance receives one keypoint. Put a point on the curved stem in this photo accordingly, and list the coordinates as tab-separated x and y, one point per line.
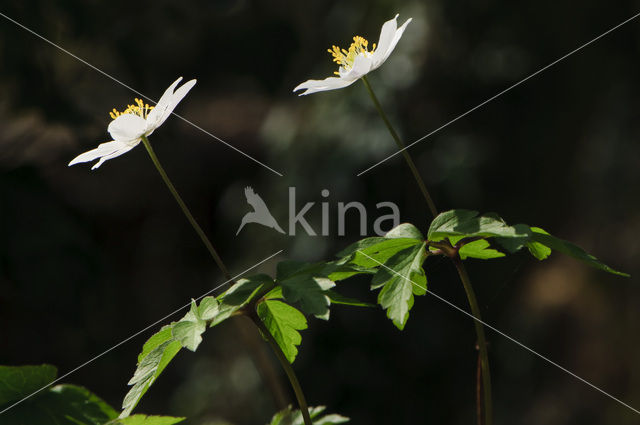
293	379
464	277
185	209
401	146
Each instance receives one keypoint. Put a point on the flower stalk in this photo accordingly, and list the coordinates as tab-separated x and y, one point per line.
293	379
462	273
185	209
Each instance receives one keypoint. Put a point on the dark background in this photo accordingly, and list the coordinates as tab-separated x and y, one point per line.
89	258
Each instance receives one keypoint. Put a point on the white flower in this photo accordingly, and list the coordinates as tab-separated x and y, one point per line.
136	121
358	61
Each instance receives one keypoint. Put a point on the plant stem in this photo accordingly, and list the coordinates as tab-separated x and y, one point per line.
464	277
401	146
185	209
482	342
293	379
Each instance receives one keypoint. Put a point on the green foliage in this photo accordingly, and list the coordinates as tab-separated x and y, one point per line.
478	249
239	295
17	382
460	225
290	416
302	282
145	420
283	322
396	262
401	277
189	330
61	404
369	253
156	354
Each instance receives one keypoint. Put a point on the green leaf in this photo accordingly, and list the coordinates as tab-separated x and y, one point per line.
337	298
459	224
17	382
557	244
283	322
146	420
60	405
404	230
479	249
401	278
537	249
156	354
239	295
300	283
189	330
208	308
290	416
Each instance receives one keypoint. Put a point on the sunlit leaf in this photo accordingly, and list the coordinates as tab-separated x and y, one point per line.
290	416
283	322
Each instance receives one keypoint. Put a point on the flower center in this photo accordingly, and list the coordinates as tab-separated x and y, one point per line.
140	108
346	58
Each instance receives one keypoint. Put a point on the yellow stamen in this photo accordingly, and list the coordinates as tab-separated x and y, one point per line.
140	108
346	58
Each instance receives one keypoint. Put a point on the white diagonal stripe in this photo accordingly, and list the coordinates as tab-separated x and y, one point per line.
463	311
137	92
138	333
502	92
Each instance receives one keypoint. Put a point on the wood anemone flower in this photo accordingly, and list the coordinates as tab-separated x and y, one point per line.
136	121
358	61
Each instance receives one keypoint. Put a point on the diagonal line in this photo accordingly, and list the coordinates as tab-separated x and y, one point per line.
137	92
461	310
502	92
138	333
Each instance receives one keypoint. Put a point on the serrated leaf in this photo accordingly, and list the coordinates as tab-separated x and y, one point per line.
290	416
283	322
401	277
370	252
239	295
17	382
479	249
571	249
154	359
458	224
208	308
146	420
61	405
301	284
190	328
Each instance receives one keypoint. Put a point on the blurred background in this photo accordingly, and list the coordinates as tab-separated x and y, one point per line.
88	258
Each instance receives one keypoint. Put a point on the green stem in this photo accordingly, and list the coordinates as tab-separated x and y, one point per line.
265	367
185	209
482	341
401	146
293	379
464	277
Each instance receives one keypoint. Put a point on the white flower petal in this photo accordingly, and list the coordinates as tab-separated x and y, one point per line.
331	83
361	66
389	37
127	127
104	151
167	104
386	37
126	148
